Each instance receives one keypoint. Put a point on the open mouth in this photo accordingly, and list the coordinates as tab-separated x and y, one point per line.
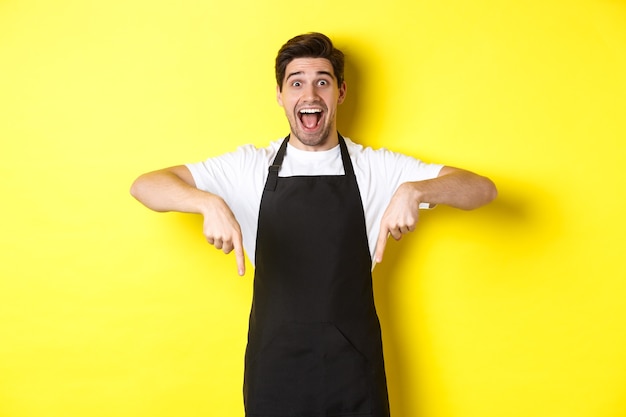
310	117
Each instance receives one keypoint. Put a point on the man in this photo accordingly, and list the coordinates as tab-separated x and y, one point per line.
311	210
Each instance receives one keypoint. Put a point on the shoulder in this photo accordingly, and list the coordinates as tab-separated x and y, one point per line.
244	162
244	155
383	162
251	151
359	151
369	155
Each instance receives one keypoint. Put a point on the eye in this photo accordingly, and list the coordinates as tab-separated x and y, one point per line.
322	82
296	84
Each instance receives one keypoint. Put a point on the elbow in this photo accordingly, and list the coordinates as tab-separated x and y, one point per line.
489	192
140	189
136	188
485	192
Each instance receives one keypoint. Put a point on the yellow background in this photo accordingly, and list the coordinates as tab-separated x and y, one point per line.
516	310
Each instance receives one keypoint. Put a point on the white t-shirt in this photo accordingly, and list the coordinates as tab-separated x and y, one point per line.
239	178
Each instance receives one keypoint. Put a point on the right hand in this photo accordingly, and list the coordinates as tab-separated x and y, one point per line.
221	229
400	217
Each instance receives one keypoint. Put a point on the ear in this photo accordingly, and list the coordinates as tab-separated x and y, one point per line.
279	97
343	88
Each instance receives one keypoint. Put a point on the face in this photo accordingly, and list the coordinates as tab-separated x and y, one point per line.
310	97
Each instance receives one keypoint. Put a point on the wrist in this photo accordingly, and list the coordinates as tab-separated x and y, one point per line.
419	195
207	203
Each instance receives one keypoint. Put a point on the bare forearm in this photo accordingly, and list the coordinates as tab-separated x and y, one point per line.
170	189
174	189
456	188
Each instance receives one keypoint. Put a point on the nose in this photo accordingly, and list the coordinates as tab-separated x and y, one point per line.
310	92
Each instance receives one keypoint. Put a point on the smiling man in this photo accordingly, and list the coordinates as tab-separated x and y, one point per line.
310	95
312	211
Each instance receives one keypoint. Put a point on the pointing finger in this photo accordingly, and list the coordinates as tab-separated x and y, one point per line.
380	245
239	256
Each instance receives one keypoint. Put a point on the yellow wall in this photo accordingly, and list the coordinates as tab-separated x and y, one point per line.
107	309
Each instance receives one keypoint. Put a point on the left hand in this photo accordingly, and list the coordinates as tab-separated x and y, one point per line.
400	217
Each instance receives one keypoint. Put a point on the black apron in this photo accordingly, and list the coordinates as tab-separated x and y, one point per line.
314	344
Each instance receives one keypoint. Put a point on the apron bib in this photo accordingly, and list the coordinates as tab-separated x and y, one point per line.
314	343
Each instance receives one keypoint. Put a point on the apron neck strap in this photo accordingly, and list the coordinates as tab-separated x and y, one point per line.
272	175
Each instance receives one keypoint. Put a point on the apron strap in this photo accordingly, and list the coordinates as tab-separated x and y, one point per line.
345	157
272	174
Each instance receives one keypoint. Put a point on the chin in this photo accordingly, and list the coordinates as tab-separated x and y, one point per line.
312	139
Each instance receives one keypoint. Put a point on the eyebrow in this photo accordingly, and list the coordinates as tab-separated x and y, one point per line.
302	72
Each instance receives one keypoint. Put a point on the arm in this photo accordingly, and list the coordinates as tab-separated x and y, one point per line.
453	187
173	189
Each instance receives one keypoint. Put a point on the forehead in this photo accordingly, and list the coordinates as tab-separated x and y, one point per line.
309	66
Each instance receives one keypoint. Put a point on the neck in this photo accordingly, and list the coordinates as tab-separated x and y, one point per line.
317	144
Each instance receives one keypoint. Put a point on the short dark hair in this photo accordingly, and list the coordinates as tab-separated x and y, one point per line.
309	45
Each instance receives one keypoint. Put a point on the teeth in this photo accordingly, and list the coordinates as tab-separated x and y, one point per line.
310	111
